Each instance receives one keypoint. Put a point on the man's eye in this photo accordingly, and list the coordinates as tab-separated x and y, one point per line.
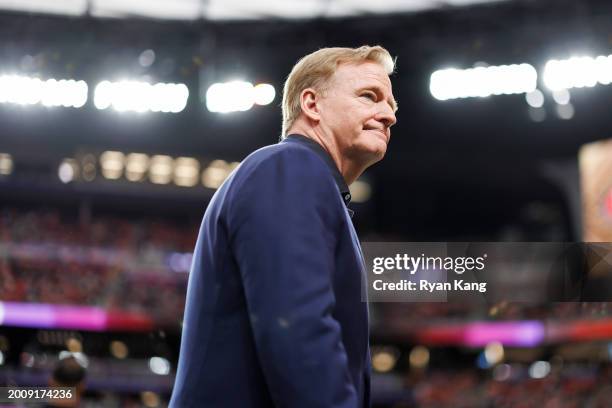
370	95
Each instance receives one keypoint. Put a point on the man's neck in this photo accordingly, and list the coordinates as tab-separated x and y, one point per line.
350	172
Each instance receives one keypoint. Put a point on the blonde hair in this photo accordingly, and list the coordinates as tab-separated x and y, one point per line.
314	70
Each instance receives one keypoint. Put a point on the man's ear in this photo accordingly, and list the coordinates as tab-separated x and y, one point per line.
309	102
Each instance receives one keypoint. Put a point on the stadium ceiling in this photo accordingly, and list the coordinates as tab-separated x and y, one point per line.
191	10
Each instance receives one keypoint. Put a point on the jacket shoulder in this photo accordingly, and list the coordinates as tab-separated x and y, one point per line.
280	151
294	158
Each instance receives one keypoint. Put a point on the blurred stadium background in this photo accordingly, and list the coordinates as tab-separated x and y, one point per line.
118	119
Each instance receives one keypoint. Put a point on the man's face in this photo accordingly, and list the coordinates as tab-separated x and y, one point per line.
358	109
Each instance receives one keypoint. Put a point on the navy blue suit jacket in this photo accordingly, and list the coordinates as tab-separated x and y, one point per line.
274	316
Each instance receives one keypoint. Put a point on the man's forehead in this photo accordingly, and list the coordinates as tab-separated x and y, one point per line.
367	70
362	75
366	74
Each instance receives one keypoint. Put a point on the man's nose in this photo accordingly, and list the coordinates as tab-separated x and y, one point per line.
386	116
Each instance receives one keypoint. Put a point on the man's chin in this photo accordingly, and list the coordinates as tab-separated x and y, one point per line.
380	149
369	153
376	153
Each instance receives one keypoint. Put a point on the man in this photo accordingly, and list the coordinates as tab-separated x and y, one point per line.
68	372
274	313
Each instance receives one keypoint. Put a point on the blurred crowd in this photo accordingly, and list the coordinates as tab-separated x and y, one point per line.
560	389
122	233
425	313
140	265
110	262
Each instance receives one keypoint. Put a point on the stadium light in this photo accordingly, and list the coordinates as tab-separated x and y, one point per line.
88	167
419	357
150	399
6	164
159	365
161	169
68	170
186	171
238	96
136	166
137	96
23	90
535	98
539	369
146	58
112	164
483	81
566	111
118	349
263	94
578	72
217	171
360	191
502	372
562	96
494	353
384	358
215	174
